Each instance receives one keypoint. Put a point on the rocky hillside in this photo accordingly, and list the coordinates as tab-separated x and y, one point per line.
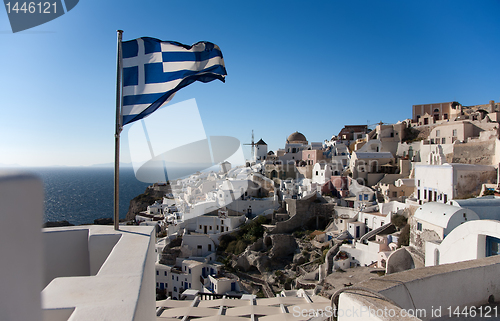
141	202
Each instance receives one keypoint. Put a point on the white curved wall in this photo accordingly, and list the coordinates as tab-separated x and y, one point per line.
467	241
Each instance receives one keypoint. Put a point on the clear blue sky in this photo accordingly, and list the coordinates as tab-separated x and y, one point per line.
292	66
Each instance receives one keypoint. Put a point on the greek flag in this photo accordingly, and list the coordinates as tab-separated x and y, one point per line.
154	70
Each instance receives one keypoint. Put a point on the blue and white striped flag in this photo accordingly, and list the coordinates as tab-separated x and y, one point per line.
154	70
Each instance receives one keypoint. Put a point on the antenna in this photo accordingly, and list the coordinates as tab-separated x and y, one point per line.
253	145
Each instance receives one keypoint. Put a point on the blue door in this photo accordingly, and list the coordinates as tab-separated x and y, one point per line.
161	286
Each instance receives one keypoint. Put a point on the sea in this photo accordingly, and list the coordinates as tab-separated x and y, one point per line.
80	195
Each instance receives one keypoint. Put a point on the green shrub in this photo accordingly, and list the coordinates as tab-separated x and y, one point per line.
231	247
240	247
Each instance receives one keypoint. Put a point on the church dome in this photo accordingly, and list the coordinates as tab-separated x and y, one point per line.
296	138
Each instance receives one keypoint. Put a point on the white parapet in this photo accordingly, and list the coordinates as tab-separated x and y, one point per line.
21	212
70	273
101	273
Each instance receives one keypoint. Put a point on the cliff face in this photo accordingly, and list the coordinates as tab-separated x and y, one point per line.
141	202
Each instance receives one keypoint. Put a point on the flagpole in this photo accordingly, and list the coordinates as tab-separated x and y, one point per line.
118	128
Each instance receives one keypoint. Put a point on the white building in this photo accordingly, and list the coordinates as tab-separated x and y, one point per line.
260	151
186	274
434	221
294	146
441	183
469	241
340	157
216	224
222	284
486	207
321	173
374	220
371	166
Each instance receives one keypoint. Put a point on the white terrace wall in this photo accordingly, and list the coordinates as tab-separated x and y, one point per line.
466	242
21	253
461	284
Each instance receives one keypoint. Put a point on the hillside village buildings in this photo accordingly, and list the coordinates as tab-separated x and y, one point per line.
355	189
418	168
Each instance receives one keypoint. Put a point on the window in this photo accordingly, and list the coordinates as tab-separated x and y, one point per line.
445	198
418	183
454	133
175	289
418	194
190	285
221	222
419	226
394	194
172	277
210	227
317	173
157	272
443	141
425	194
492	246
200	225
185	268
165	272
217	227
210	247
437	133
189	271
366	197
